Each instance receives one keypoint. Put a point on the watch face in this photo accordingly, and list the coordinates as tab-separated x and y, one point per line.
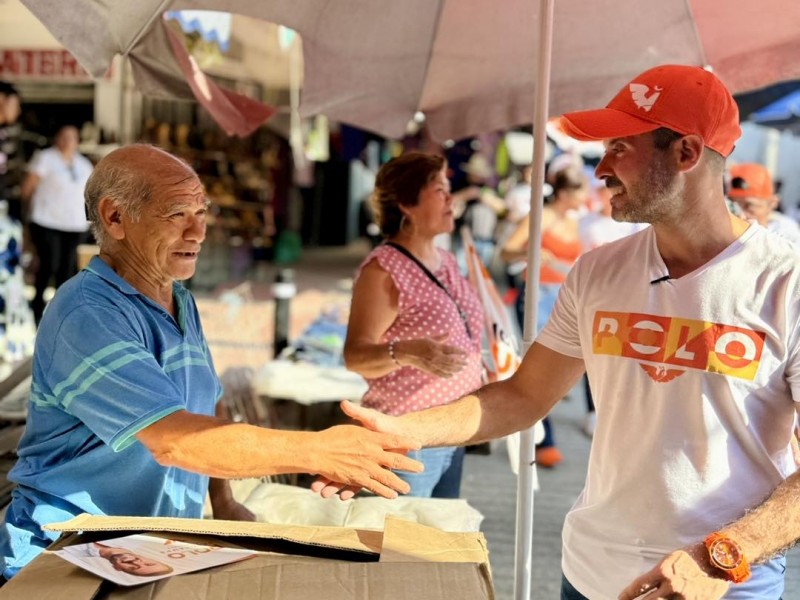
725	554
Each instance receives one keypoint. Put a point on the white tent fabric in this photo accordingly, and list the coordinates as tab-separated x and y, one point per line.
469	65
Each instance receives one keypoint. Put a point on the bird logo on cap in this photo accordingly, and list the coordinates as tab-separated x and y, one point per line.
641	99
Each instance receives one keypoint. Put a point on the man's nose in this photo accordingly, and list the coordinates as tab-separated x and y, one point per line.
602	170
196	231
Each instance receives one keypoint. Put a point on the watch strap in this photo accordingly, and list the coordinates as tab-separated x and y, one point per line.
737	573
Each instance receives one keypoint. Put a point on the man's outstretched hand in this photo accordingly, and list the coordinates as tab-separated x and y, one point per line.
377	421
353	457
382	424
233	511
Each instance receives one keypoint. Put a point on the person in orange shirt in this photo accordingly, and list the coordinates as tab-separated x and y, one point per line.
561	247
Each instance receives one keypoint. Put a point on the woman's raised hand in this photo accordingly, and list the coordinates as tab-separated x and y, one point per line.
431	355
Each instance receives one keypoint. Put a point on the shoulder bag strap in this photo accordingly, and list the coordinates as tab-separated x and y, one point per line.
435	280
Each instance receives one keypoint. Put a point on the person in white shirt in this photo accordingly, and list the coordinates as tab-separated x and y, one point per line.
752	190
54	184
518	198
690	334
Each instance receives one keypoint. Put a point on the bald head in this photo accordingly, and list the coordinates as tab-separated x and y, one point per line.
129	176
144	157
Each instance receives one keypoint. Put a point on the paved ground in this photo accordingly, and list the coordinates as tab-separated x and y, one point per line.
489	484
491	487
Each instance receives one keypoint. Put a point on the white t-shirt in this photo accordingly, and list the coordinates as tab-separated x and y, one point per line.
518	202
595	230
694	380
57	201
785	226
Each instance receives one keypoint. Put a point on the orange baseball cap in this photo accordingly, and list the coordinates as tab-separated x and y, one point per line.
750	180
689	100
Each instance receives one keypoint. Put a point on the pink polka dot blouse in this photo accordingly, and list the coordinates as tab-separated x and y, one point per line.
425	310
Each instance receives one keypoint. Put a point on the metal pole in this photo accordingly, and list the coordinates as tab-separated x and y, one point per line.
122	136
526	478
295	126
283	290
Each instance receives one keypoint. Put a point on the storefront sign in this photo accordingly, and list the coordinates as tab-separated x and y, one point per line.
41	65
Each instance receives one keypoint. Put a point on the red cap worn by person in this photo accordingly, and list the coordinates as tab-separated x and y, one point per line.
750	180
689	100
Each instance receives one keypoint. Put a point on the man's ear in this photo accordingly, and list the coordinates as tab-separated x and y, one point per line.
774	201
111	217
689	151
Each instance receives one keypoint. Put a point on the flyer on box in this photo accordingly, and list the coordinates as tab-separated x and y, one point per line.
138	559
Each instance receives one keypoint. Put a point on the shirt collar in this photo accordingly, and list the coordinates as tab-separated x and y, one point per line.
103	270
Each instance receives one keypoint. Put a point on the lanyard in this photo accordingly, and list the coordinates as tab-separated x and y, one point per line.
435	280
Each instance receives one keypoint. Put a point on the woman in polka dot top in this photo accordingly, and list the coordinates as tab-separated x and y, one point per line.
416	342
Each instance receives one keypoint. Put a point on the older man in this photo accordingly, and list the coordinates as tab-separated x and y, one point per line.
121	420
752	190
688	331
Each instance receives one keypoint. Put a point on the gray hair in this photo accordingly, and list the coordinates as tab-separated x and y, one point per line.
129	189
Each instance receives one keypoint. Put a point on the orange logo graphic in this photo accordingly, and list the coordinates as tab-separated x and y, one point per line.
505	358
672	342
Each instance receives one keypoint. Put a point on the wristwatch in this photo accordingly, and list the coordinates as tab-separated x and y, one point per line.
727	556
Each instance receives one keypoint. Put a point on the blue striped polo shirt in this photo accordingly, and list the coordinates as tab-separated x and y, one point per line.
108	362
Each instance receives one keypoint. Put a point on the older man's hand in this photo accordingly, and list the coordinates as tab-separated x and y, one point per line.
353	458
231	510
677	577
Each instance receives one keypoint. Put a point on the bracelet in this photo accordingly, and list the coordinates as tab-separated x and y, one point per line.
392	354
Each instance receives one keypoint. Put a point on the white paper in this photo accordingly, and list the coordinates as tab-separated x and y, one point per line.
138	559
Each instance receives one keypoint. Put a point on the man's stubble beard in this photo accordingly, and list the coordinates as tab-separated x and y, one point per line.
652	199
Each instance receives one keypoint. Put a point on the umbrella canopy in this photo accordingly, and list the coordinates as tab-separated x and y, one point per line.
754	100
469	65
781	114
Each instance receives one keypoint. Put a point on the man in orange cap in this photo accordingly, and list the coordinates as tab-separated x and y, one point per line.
688	333
752	190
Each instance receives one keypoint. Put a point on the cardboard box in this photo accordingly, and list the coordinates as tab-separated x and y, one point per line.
405	561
